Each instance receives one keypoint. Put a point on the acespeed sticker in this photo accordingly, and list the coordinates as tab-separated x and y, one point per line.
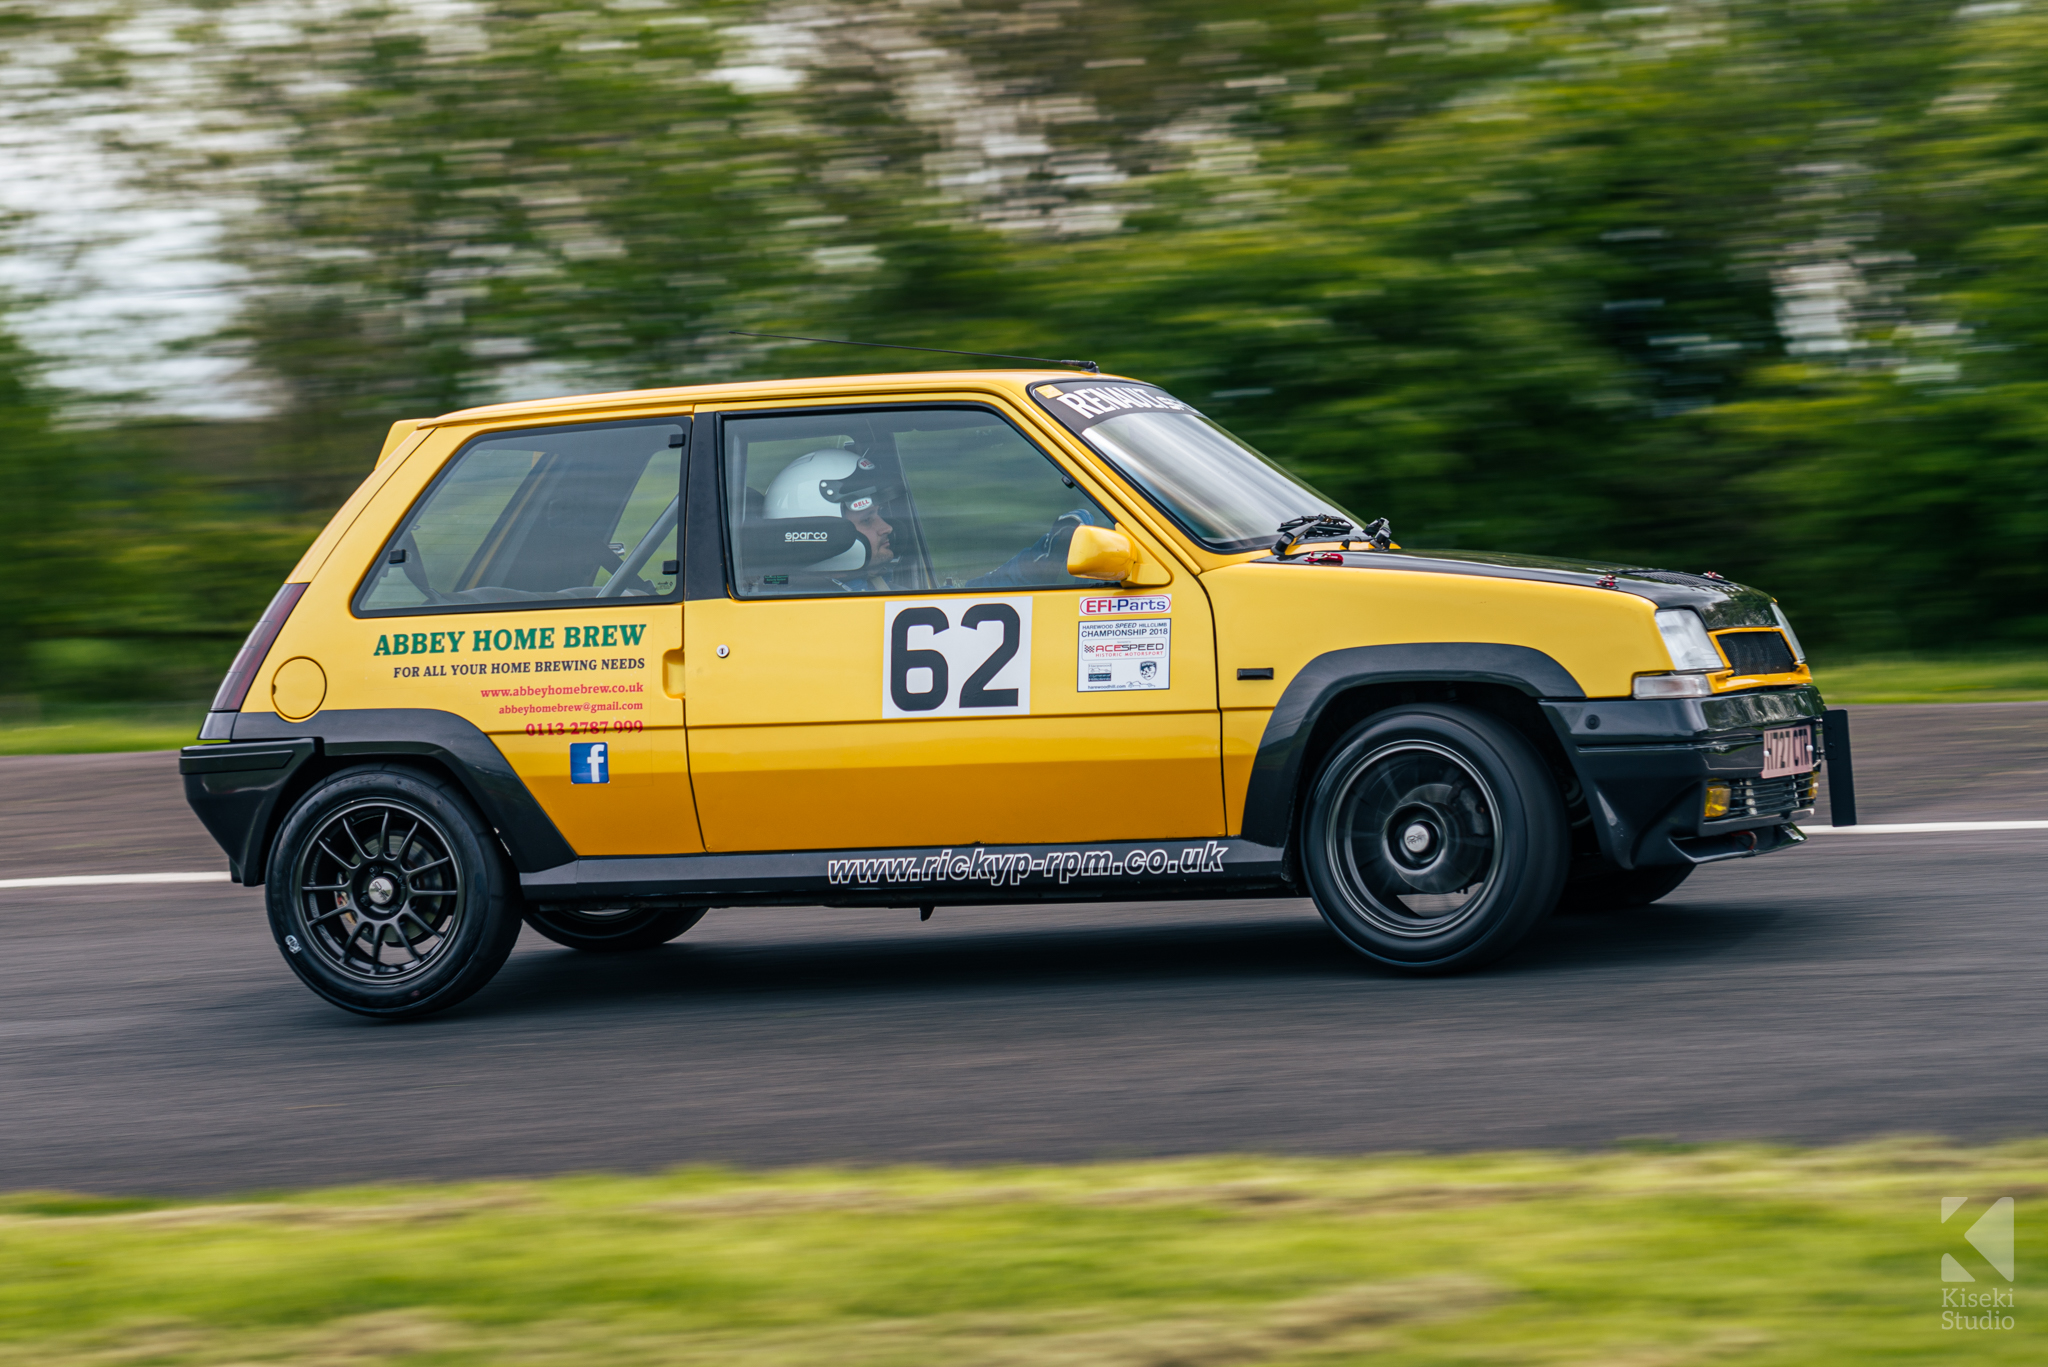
1125	656
956	657
1126	605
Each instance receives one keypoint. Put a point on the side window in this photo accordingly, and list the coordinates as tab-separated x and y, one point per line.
533	518
890	500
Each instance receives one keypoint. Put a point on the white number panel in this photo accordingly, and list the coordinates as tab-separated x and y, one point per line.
956	657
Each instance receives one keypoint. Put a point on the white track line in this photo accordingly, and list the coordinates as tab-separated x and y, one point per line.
91	880
1928	828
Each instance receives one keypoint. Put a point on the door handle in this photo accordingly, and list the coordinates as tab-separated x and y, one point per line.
672	673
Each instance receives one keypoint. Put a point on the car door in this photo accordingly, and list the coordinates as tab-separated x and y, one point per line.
897	657
534	589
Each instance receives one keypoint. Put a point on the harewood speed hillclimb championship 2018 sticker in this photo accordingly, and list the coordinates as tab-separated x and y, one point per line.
1124	655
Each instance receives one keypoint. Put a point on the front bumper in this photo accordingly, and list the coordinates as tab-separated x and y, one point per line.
1643	766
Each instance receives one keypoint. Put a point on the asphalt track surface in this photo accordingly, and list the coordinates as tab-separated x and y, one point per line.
151	1041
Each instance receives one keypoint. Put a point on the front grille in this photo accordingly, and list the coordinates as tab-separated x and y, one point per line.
1751	797
1757	652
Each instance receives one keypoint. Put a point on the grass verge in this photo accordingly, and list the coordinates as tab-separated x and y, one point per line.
1961	678
79	729
1656	1255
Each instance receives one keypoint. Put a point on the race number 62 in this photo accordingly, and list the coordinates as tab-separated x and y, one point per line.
952	657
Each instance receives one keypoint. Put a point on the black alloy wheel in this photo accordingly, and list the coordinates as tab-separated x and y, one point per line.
1610	889
609	931
388	894
1433	838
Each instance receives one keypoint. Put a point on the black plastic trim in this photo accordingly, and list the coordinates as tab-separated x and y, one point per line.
1276	770
234	790
530	836
1201	866
703	516
1841	769
1642	764
1766	838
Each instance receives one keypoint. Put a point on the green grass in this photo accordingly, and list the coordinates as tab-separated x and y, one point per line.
81	729
1652	1255
1961	678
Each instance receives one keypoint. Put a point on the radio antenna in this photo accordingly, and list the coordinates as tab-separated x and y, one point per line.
1091	367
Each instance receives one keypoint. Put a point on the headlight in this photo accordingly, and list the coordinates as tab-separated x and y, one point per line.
1685	636
1791	636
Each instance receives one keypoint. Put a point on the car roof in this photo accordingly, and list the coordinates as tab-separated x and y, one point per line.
819	386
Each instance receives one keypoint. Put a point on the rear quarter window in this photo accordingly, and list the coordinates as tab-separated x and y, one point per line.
565	515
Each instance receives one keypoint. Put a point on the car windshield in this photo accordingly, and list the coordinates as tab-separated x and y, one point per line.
1221	491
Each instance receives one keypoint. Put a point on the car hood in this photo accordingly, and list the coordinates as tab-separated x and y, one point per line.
1721	602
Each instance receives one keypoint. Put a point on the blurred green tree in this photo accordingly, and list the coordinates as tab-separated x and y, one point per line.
1741	285
37	497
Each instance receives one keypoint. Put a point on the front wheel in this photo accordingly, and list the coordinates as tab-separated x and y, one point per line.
1433	839
613	932
388	894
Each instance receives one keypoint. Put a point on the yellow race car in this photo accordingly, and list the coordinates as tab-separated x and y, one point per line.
599	663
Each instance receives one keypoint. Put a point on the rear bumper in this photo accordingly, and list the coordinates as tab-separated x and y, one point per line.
1644	765
234	788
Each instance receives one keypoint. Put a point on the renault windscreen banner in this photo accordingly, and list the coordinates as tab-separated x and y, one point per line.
1080	404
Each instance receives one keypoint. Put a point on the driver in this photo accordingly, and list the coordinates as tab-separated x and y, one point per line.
835	482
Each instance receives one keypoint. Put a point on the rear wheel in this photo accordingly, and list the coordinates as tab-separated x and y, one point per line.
613	932
389	895
1433	839
1613	889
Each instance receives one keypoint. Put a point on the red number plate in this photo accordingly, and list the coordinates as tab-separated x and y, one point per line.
1788	750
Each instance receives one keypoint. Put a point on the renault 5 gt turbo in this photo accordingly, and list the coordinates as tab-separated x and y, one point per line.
600	663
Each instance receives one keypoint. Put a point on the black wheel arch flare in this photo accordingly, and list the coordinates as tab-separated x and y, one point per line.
241	790
1321	699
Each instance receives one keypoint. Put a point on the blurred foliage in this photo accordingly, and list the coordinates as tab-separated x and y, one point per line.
1997	676
1659	1253
1750	286
34	480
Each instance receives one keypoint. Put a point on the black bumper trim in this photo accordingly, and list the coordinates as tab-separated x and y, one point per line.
243	826
1642	764
1712	849
234	789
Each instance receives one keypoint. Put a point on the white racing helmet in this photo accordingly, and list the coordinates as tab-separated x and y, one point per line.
827	483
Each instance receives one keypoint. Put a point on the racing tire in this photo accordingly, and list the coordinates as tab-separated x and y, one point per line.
388	894
1614	889
1433	839
614	932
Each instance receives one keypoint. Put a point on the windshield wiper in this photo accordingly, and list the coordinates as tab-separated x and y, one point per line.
1296	532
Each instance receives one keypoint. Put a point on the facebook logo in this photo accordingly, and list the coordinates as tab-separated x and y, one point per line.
590	762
